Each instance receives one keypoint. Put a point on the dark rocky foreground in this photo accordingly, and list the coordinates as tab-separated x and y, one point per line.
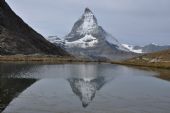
16	37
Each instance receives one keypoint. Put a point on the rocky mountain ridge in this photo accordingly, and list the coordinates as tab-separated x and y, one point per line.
16	37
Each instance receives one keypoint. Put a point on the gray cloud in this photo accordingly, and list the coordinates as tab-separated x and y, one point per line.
130	21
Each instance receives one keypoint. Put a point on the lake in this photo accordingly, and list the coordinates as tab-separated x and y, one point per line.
82	88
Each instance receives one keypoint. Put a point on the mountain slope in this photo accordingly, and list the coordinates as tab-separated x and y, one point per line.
16	37
150	48
56	41
154	48
90	40
135	49
158	59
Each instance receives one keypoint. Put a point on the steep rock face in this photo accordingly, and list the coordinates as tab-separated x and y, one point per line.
16	37
88	39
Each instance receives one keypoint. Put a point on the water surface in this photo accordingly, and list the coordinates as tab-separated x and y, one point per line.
82	88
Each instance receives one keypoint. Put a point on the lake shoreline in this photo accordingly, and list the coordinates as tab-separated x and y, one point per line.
52	59
161	65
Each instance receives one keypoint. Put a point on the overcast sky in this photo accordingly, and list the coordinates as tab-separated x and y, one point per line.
130	21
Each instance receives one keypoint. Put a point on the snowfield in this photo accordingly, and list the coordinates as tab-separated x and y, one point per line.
131	48
85	42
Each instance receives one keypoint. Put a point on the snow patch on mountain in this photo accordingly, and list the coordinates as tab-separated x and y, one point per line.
89	23
85	42
131	48
154	44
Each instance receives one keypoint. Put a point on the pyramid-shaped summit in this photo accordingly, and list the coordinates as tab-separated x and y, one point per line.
87	10
88	39
87	24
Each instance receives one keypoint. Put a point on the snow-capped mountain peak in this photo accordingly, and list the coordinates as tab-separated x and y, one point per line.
88	14
87	28
88	23
87	10
89	40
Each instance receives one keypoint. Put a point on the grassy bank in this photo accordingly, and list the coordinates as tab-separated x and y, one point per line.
43	59
165	65
141	61
37	58
156	60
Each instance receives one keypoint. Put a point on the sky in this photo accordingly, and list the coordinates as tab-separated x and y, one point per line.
136	22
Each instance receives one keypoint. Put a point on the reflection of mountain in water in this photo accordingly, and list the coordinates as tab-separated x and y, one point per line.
11	88
86	88
11	81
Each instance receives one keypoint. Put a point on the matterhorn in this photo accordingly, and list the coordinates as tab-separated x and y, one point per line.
88	39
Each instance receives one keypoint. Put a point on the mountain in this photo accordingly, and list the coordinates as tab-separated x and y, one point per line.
57	41
16	37
150	48
135	49
154	48
89	40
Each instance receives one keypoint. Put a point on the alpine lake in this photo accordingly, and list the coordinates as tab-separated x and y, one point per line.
83	88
